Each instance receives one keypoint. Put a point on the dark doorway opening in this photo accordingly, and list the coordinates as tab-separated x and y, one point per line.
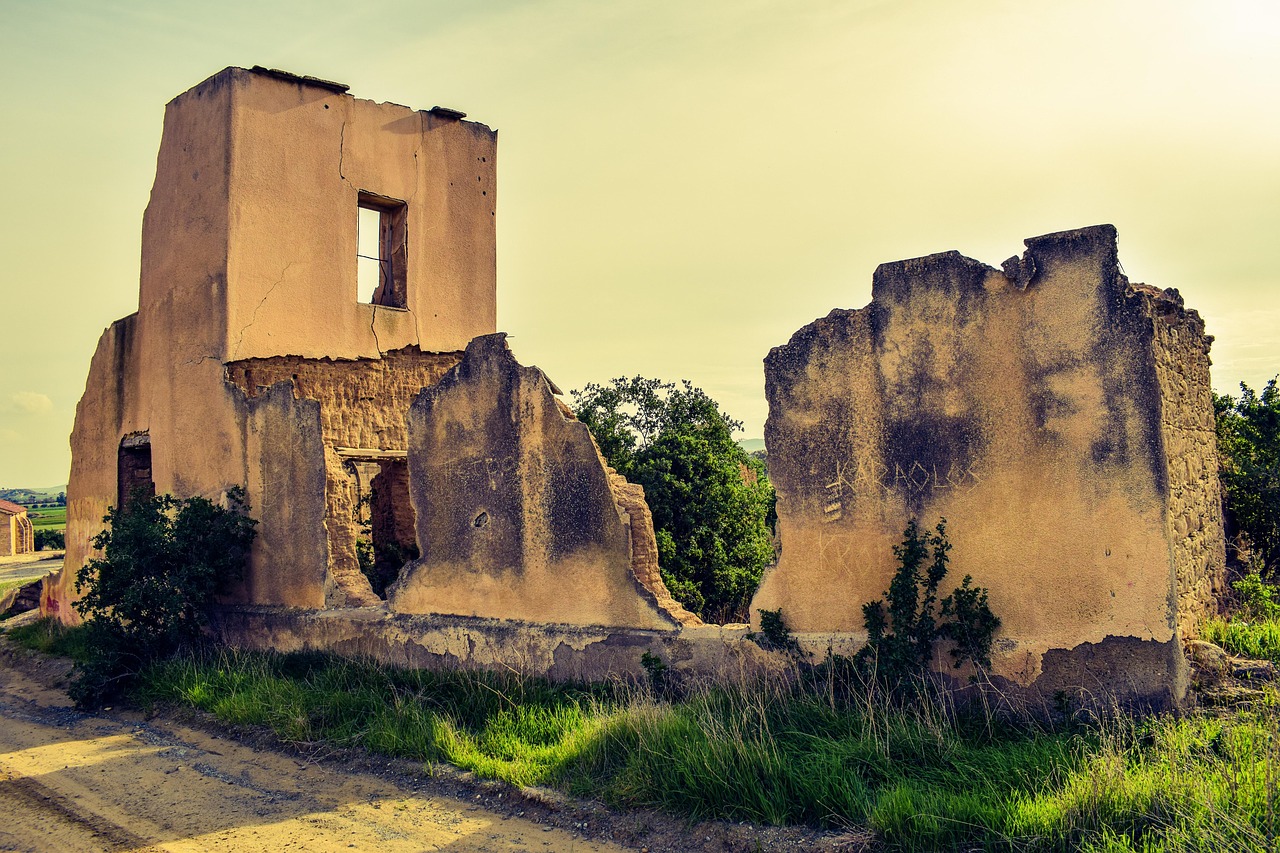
392	522
386	535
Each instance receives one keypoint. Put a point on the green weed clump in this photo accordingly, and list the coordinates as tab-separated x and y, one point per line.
1253	629
904	626
51	637
1257	639
924	777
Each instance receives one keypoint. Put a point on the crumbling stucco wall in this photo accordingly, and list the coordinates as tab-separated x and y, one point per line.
362	406
537	649
285	480
302	152
515	515
1027	407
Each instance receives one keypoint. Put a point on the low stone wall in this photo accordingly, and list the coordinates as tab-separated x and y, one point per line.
559	652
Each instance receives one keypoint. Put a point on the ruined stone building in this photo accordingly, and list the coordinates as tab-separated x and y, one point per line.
263	356
16	533
316	324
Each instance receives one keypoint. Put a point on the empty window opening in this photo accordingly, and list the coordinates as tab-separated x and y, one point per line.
381	251
133	469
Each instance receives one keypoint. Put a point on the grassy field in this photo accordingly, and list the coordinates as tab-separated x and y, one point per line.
5	586
52	518
924	777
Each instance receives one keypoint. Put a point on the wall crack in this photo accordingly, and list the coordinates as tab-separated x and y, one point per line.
252	319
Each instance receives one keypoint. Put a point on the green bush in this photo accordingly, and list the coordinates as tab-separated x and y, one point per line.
164	560
904	625
1255	598
50	540
776	635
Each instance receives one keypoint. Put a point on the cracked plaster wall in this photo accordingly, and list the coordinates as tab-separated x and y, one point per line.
292	234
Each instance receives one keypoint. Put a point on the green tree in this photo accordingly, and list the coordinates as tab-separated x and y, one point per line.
710	499
163	561
1248	430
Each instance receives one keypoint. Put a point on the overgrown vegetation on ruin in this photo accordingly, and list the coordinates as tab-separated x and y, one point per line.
1248	432
1252	630
148	595
905	626
711	501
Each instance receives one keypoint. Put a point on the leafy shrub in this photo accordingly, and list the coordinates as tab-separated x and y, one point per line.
776	634
1255	598
164	560
657	671
903	626
50	540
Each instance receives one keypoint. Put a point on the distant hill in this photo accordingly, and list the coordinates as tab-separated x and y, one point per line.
751	444
27	497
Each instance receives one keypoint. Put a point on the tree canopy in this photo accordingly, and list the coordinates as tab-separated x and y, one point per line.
1249	455
711	500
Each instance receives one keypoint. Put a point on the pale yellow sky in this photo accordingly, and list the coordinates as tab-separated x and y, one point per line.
682	185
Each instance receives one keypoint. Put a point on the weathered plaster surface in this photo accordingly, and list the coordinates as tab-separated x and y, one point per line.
558	651
292	238
515	515
1028	409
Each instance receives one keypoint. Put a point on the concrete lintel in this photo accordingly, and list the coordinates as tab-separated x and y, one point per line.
369	453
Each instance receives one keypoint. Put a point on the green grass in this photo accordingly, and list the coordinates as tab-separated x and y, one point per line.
48	636
1258	638
923	778
53	517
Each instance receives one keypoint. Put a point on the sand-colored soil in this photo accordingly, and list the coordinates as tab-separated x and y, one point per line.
74	782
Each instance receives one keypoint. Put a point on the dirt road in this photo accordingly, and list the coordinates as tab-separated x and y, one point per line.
75	782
